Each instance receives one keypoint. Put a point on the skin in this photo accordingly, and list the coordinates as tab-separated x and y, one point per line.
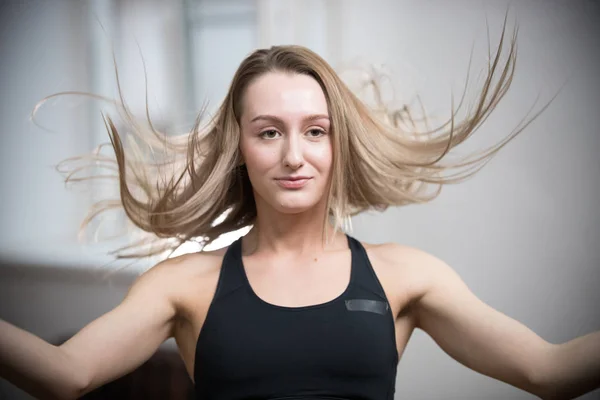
287	265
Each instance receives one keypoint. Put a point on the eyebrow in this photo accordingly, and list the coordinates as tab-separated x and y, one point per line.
273	118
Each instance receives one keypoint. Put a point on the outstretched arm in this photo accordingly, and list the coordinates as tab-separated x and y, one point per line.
107	348
495	345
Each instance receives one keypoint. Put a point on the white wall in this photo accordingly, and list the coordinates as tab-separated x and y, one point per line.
49	47
523	233
42	53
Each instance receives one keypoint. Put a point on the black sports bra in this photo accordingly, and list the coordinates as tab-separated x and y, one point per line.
341	349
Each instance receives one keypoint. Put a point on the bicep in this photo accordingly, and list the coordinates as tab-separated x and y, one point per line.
122	339
475	334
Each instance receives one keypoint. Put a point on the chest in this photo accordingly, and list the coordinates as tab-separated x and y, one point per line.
316	340
298	282
249	346
354	336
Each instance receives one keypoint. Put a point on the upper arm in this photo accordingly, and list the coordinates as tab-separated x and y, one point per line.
473	333
125	337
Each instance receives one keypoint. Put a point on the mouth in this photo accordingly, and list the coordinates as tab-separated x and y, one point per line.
293	182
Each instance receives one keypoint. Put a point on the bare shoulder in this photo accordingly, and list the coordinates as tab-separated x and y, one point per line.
189	265
180	268
398	257
408	269
182	277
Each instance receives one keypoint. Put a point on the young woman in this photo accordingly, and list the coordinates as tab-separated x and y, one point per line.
296	308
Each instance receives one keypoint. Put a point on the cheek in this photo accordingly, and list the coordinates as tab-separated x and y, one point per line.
323	156
258	157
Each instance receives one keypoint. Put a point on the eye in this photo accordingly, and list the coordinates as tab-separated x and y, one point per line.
269	134
315	133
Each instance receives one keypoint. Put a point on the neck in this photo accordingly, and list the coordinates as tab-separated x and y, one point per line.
292	234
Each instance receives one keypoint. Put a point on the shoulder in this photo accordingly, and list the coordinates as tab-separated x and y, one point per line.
183	267
416	270
397	257
175	279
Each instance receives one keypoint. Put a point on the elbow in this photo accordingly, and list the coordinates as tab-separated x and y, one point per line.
541	381
537	388
543	392
76	392
546	394
77	381
64	392
550	391
80	386
72	390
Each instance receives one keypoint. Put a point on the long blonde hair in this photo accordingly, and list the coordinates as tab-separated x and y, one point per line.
192	186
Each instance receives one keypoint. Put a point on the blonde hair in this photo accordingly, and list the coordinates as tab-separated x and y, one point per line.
192	186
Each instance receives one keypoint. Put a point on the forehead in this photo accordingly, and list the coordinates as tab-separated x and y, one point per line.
284	95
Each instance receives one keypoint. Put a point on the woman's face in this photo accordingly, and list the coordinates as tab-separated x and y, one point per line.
285	141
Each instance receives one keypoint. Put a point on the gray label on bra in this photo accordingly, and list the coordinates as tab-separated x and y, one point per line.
374	306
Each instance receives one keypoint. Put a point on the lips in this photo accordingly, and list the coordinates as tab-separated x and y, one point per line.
292	178
293	182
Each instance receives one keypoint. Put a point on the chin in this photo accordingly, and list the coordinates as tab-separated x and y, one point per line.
294	206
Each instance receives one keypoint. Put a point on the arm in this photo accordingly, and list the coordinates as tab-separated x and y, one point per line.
575	369
107	348
495	345
42	370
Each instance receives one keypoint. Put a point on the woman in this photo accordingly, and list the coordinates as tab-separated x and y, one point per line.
296	308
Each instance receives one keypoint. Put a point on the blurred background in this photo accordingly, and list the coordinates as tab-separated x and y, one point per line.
524	233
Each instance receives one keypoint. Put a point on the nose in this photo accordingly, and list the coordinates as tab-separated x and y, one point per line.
292	152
